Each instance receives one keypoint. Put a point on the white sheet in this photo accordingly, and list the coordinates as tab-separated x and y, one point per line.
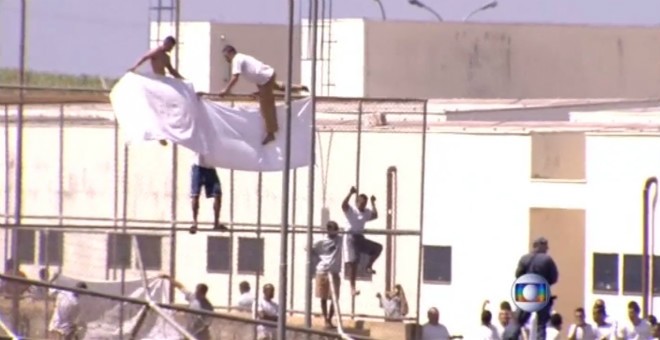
101	316
152	107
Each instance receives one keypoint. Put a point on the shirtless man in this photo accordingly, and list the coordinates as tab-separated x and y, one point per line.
160	61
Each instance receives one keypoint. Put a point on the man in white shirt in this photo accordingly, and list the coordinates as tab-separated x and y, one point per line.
197	325
267	310
602	328
64	323
487	331
204	176
636	328
264	77
329	252
246	300
356	243
434	330
581	330
553	330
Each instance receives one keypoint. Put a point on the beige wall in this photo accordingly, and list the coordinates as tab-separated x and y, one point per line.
445	60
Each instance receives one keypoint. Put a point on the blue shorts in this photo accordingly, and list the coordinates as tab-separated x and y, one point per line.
207	178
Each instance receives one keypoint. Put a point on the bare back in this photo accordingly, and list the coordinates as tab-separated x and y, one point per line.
160	61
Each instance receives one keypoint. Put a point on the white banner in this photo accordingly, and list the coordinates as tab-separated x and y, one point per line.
152	107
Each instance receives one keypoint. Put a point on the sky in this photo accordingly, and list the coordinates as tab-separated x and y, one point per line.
104	37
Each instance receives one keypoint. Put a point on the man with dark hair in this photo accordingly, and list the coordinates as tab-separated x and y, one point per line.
356	243
160	61
487	330
265	78
554	328
245	300
205	176
327	270
636	327
581	330
603	330
65	320
198	325
540	263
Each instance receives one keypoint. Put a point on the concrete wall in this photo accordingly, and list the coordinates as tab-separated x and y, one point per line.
457	60
89	192
479	199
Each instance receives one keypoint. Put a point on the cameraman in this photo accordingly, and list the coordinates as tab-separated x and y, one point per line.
540	263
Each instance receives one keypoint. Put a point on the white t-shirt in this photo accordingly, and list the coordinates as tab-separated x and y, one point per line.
329	253
604	331
251	69
552	333
357	219
582	333
488	333
245	302
269	308
435	332
65	316
642	331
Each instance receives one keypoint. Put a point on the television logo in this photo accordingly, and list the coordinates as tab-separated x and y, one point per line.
530	293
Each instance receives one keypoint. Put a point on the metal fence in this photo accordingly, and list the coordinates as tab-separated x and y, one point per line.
134	318
77	176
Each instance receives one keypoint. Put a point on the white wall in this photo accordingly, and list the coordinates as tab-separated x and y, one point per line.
617	168
475	202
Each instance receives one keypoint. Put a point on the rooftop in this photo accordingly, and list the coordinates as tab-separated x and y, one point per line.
507	116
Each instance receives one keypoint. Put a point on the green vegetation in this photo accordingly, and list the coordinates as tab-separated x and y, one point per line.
9	76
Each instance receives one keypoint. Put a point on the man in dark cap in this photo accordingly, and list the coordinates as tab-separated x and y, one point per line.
540	263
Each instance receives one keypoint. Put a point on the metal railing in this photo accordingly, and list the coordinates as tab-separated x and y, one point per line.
225	326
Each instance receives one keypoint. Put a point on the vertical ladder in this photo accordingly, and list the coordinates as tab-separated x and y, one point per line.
326	50
162	23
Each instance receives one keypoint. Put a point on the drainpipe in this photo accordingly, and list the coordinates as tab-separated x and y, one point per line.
647	233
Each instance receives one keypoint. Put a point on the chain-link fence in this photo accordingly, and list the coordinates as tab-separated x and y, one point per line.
78	177
106	316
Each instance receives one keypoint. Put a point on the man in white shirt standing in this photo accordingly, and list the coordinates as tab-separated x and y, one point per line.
636	328
64	322
602	328
265	78
553	330
356	243
246	300
267	310
329	252
205	176
434	330
198	325
581	330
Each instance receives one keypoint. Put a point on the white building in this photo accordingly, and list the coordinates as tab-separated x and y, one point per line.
490	188
392	59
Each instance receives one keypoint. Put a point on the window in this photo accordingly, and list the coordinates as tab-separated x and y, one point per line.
437	264
606	273
218	254
656	275
362	273
26	246
250	255
632	274
150	247
119	250
51	246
